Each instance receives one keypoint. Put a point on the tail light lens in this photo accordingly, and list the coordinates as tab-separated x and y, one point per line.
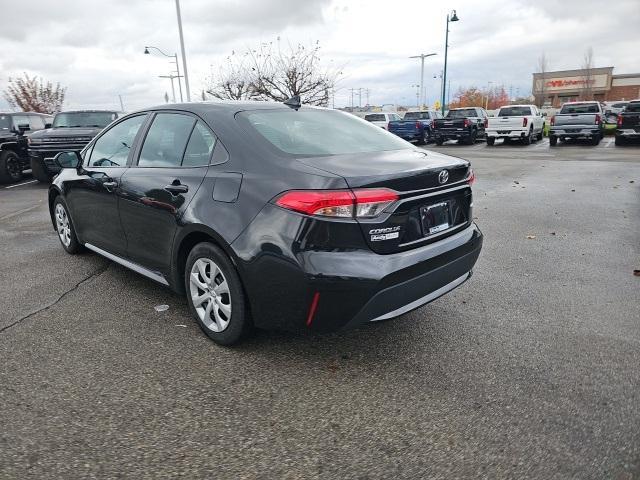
619	121
418	125
471	177
525	120
553	120
597	119
486	123
389	126
466	122
359	203
433	124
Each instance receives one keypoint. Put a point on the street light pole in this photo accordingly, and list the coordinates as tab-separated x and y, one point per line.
173	90
175	60
184	58
452	17
422	56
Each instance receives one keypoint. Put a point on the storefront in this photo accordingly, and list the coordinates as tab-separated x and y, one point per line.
597	83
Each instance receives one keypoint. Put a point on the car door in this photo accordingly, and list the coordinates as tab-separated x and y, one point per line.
91	196
155	192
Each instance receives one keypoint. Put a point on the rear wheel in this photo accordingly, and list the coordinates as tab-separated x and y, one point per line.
439	141
491	141
541	134
471	139
595	140
10	168
39	171
553	141
424	139
215	295
529	138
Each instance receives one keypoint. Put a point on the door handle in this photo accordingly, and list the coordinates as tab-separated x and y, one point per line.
176	188
110	184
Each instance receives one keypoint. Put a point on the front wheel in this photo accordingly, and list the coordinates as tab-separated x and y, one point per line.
65	228
491	141
215	295
10	168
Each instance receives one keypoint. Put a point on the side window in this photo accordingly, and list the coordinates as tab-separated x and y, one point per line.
200	146
113	147
20	120
166	140
37	123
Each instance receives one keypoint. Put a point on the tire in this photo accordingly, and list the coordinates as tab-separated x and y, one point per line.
491	141
553	141
529	138
10	168
64	227
223	314
540	136
39	171
595	140
439	141
424	140
619	141
471	139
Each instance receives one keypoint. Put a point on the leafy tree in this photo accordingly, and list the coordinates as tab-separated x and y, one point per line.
474	97
33	94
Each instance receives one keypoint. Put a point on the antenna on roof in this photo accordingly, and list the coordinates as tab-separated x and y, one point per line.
293	102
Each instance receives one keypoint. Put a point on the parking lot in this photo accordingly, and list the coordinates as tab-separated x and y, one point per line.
529	370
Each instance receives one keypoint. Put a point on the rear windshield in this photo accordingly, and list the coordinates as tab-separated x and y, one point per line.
84	119
376	117
580	108
514	111
321	132
633	107
5	122
417	116
462	113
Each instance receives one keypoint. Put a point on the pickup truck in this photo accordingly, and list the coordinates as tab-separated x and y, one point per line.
415	126
577	120
381	119
15	130
628	123
463	124
516	122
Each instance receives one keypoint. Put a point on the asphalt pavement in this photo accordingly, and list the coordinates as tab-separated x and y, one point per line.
529	370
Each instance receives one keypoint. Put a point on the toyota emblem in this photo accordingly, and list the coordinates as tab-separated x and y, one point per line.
443	177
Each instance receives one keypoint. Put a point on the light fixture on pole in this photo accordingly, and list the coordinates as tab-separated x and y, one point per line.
422	56
452	17
175	60
184	57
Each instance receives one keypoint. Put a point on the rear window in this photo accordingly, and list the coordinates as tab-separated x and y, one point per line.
84	119
417	116
462	113
580	108
377	117
514	111
321	132
633	107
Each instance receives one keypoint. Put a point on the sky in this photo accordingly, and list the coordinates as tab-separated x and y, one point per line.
95	48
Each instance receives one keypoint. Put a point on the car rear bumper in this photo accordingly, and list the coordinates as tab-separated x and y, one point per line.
574	132
452	134
515	133
627	133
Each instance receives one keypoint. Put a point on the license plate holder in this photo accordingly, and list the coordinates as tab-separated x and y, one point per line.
436	218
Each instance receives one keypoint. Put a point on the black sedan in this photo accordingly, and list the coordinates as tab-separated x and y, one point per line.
271	215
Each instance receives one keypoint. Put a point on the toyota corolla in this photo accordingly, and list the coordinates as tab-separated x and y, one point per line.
271	215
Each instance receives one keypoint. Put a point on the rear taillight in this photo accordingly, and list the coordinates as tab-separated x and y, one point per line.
486	123
525	121
597	119
389	126
553	120
359	203
418	125
433	124
466	122
471	177
619	122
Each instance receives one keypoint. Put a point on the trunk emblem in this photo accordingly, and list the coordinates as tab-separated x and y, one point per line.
443	177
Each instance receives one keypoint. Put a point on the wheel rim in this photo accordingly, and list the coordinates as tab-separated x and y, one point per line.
13	167
62	225
210	294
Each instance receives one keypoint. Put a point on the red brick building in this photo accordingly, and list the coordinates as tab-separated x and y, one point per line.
571	85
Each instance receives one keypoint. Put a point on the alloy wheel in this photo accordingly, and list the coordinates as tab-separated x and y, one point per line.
210	294
62	225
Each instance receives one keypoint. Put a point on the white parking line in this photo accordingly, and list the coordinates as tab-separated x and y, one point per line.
21	184
609	143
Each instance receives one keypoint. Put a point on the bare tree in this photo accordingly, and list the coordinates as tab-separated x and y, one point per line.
587	75
271	72
33	94
540	89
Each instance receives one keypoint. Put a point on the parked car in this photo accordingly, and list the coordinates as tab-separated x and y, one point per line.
577	120
381	119
271	216
614	108
415	126
70	130
15	129
628	123
463	124
516	122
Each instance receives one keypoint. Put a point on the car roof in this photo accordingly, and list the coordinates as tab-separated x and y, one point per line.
578	103
26	113
90	111
519	105
221	106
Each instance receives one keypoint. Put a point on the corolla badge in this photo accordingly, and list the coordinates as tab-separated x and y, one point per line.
443	177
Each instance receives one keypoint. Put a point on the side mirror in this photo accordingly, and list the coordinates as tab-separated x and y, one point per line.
23	127
48	125
544	114
68	159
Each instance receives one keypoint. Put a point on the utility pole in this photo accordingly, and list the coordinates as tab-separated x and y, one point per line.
171	76
352	90
422	56
121	104
184	58
366	91
360	97
417	87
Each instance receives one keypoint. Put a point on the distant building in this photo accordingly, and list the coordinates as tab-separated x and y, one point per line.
570	85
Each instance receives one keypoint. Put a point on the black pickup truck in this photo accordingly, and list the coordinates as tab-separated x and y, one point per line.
463	124
15	129
628	123
71	130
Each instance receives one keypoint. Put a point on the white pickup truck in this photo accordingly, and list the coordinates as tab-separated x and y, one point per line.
516	122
